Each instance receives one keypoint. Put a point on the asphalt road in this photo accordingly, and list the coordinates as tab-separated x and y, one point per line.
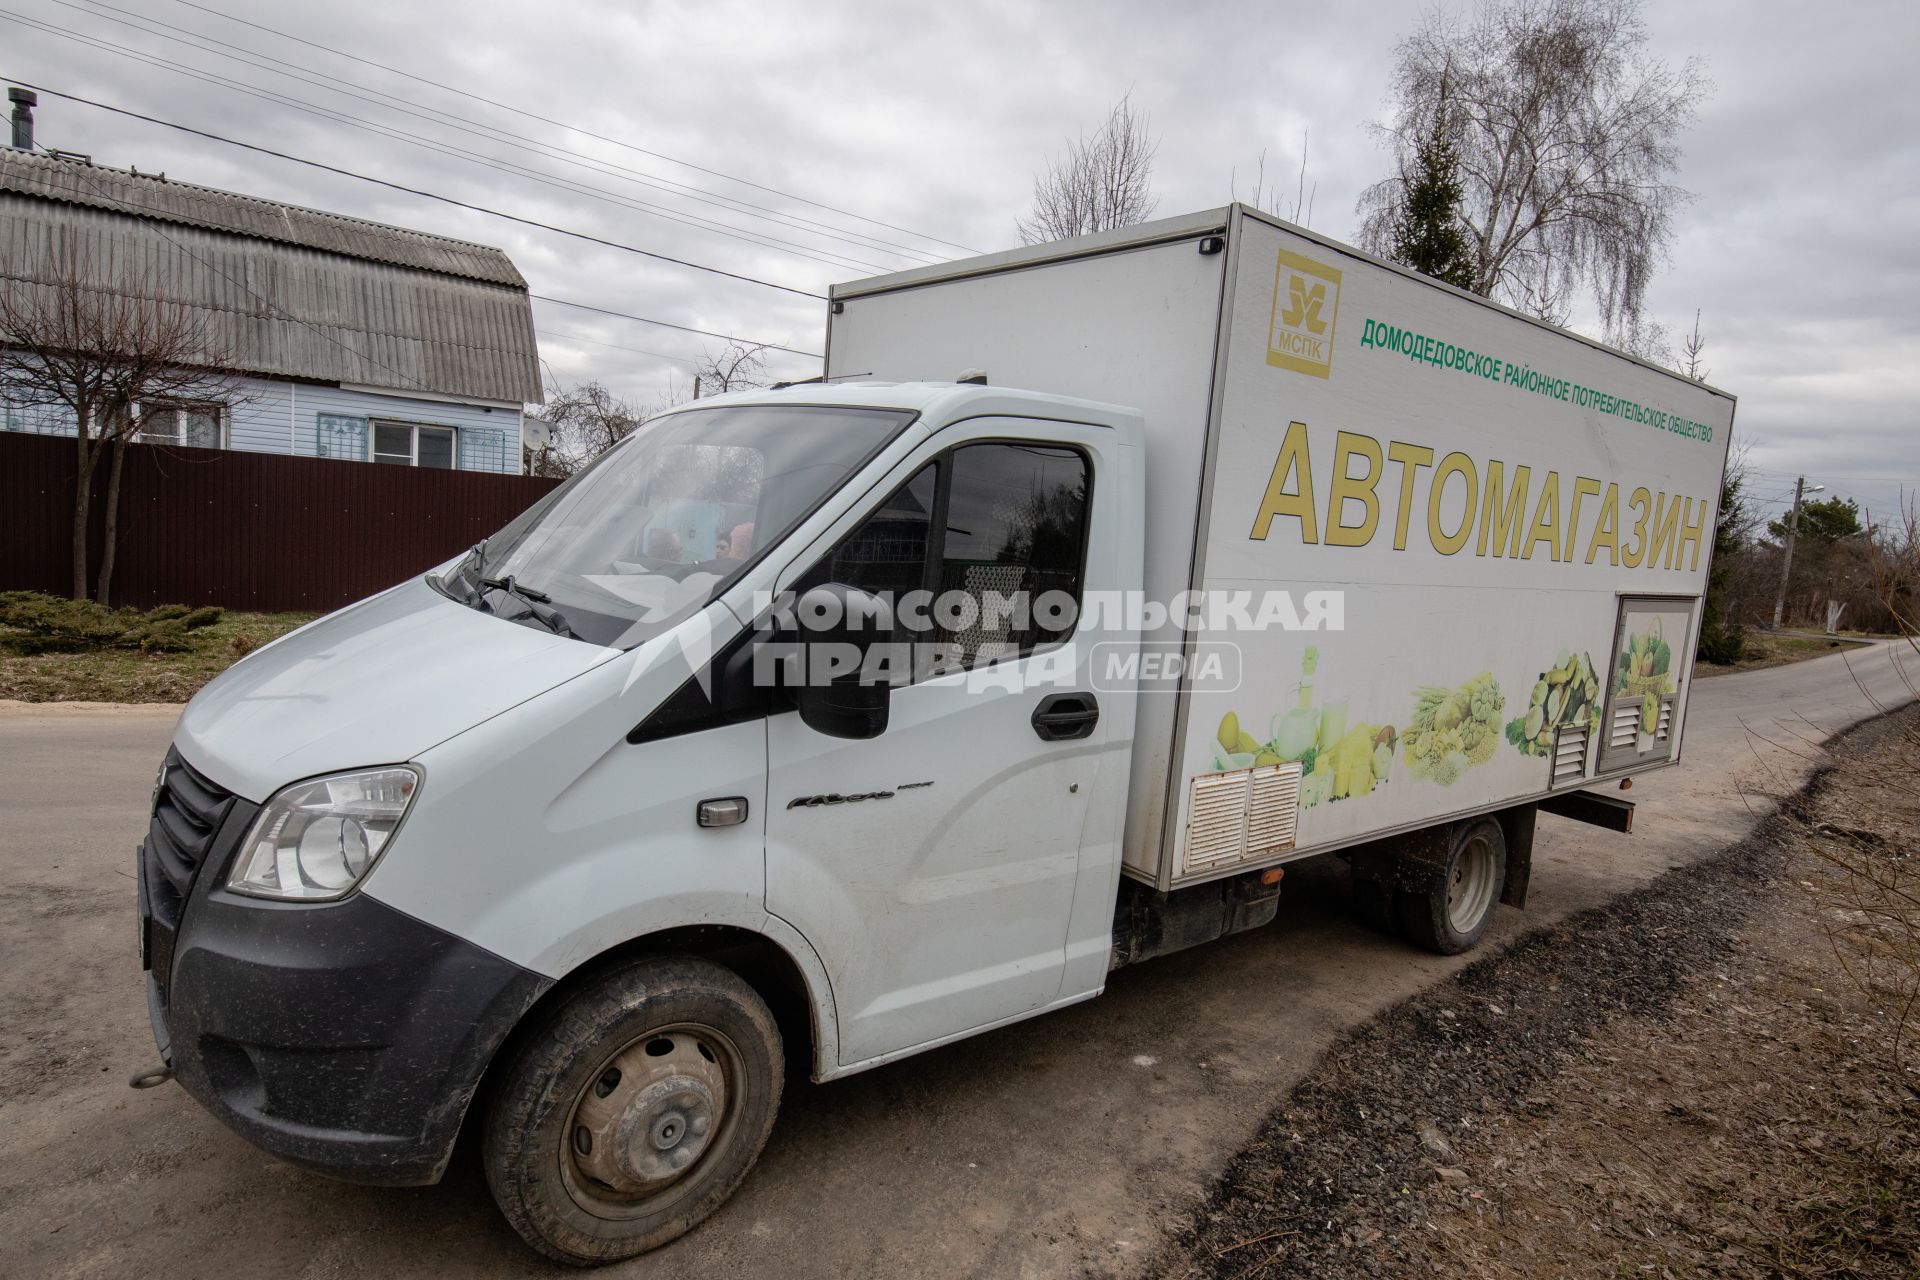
1055	1147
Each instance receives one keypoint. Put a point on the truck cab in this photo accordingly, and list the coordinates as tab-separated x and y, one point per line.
569	815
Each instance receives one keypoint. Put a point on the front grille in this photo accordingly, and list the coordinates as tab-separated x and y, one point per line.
187	813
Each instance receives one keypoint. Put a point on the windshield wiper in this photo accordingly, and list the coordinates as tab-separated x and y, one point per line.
535	601
462	581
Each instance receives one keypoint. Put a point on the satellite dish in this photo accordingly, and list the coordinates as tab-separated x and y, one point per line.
537	433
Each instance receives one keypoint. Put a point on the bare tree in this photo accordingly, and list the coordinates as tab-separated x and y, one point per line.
736	367
1269	198
586	420
1102	182
1566	131
101	348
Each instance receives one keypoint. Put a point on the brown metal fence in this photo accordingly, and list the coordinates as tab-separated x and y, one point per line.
244	530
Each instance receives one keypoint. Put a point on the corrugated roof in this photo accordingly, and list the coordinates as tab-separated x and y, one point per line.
410	318
98	187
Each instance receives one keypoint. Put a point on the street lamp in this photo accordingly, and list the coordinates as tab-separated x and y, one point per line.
1786	561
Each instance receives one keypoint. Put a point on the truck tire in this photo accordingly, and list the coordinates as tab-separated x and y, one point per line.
1453	915
633	1108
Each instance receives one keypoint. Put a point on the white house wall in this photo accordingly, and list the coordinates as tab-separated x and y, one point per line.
271	416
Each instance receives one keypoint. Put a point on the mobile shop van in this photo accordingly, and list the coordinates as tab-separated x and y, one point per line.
573	838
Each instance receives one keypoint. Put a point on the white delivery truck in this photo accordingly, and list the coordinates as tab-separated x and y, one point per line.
835	722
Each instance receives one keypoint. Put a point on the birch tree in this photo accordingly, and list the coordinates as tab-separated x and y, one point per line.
1565	130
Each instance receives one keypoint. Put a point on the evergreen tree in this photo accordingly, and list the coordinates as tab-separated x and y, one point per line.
1722	639
1427	235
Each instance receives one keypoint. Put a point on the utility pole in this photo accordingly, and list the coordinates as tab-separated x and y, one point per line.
1786	560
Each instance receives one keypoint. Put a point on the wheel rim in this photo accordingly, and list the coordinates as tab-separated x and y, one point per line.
1470	890
652	1114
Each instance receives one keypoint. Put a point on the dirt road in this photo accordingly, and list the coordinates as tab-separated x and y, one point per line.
1052	1148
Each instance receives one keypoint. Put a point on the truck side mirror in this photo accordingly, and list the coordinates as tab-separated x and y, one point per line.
843	705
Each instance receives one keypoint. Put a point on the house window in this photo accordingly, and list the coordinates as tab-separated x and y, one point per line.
413	444
197	426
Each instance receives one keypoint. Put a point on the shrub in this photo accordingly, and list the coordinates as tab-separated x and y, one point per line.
1723	645
53	624
169	635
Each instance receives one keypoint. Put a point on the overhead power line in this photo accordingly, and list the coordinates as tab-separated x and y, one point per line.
667	324
560	124
445	119
274	308
559	336
1817	474
417	191
644	178
568	185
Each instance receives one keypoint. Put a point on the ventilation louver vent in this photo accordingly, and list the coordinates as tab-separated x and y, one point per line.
1663	729
1570	753
1240	815
1624	727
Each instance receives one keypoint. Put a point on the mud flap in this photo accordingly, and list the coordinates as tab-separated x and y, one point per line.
1517	824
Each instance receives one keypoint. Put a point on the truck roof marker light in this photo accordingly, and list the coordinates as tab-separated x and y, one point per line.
1210	245
973	378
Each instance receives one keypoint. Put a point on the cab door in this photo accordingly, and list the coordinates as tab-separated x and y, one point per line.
933	866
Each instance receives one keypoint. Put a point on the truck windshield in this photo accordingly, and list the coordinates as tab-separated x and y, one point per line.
660	524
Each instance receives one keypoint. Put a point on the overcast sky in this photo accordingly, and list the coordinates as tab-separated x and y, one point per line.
1800	251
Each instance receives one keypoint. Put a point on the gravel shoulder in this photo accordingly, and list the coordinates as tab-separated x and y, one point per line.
1687	1081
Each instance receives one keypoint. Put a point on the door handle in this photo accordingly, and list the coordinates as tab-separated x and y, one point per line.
1062	717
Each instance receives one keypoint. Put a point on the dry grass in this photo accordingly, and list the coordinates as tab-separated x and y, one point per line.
120	675
1765	649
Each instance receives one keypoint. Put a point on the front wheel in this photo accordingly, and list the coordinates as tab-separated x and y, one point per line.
633	1109
1454	913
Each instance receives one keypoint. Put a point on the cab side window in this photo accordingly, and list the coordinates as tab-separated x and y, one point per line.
887	554
1015	526
987	531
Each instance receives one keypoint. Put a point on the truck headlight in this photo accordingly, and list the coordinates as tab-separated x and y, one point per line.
315	840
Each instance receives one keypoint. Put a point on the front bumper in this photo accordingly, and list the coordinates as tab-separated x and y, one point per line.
345	1037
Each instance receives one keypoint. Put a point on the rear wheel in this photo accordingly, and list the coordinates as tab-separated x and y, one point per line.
634	1109
1454	913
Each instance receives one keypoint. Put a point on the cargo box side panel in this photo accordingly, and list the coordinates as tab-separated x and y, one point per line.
1464	507
1135	327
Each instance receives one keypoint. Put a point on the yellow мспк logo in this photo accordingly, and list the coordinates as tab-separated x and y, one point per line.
1306	303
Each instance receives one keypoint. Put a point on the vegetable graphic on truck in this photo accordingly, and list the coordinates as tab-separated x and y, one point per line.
1567	693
